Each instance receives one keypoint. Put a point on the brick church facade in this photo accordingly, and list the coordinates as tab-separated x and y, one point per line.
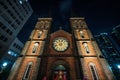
61	55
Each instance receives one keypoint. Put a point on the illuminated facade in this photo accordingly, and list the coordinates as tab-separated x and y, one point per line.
61	55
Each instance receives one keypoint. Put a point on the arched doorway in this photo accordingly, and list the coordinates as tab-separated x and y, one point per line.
60	71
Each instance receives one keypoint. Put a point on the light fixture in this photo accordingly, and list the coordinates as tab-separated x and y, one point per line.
9	52
118	66
20	1
5	64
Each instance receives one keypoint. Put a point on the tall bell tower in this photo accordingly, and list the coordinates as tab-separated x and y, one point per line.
61	55
27	65
94	65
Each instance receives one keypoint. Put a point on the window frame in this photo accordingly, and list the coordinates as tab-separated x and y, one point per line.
35	47
94	76
87	50
27	71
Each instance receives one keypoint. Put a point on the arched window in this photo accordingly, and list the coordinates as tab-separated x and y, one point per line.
27	71
85	44
75	24
93	71
39	34
79	24
35	47
46	24
81	33
41	24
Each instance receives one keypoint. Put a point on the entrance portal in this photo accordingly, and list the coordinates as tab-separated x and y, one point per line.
60	73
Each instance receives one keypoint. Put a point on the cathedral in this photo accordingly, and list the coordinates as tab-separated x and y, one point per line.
61	55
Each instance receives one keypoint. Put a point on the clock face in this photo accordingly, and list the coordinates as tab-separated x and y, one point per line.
60	44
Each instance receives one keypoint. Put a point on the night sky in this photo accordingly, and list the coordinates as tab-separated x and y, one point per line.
100	15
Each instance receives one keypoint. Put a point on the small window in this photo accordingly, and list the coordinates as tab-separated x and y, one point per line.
2	37
41	24
5	39
3	27
11	33
35	47
39	34
5	7
20	17
81	34
6	18
85	44
75	24
18	22
13	16
9	2
7	30
14	44
14	26
46	24
79	23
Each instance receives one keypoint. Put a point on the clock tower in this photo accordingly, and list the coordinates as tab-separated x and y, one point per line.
61	55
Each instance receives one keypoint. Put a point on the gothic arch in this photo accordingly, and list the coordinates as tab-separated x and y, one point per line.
60	65
93	71
60	62
27	70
